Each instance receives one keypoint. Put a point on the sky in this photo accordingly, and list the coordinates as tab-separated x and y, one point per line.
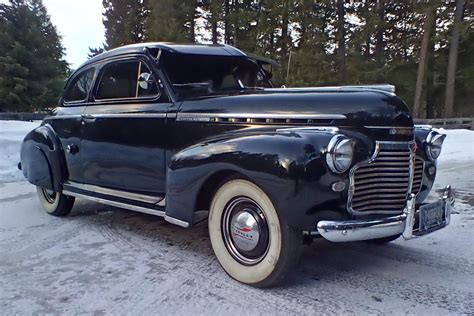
79	22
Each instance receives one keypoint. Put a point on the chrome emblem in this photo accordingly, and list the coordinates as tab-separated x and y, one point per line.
245	232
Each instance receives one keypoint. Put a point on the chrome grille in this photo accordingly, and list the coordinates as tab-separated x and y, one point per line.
417	175
381	184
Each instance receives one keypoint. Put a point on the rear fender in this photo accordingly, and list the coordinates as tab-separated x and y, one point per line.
42	158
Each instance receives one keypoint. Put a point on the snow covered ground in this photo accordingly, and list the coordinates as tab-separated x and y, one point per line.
105	260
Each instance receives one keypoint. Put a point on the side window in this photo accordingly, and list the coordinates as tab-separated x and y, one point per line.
79	87
125	80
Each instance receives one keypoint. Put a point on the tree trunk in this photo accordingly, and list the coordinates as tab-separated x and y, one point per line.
226	22
379	42
453	56
192	20
214	30
342	41
285	38
419	103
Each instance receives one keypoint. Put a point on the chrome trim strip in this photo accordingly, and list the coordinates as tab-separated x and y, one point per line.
389	127
111	115
172	115
116	193
162	202
176	221
185	115
117	204
328	129
67	116
129	115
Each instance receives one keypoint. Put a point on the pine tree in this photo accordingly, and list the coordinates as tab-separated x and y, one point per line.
32	68
171	21
124	22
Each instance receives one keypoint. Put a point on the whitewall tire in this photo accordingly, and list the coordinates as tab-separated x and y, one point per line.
252	243
55	203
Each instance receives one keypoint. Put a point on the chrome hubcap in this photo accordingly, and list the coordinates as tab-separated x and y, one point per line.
49	195
245	231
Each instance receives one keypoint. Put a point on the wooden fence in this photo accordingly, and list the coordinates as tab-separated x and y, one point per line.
449	123
21	116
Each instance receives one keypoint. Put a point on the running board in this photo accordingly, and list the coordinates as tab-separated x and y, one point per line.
130	207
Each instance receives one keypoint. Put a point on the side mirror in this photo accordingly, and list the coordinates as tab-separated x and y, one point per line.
145	80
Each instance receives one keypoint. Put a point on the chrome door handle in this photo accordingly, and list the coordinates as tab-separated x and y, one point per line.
88	117
72	149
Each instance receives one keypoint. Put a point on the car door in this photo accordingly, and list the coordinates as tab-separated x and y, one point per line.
124	130
66	121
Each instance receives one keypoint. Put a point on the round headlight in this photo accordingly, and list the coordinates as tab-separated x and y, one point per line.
339	154
434	142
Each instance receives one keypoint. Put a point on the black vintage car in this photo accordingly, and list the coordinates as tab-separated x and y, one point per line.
174	130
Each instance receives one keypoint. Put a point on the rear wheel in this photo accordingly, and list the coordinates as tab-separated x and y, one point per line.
55	203
252	244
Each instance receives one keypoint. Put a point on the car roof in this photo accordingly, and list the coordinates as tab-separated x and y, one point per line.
192	49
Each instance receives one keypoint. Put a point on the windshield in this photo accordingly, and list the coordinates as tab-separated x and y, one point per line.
200	75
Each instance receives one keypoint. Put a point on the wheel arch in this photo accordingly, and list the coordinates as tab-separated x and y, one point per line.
42	158
212	184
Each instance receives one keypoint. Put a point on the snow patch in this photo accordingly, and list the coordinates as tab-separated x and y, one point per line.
458	146
11	136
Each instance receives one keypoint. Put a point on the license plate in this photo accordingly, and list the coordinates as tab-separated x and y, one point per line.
431	216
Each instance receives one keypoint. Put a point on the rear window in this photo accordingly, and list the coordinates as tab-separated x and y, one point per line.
78	89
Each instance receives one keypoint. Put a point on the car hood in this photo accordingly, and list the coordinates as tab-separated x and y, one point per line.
350	106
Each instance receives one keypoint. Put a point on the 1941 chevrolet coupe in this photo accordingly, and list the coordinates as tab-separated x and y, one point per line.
173	130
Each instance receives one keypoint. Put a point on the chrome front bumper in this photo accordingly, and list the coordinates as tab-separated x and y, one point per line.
356	230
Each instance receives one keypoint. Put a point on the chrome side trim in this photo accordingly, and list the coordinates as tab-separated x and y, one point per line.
67	116
389	127
117	204
190	116
110	115
162	202
328	129
129	115
116	193
176	221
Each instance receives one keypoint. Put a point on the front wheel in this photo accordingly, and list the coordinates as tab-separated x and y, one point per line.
252	244
55	203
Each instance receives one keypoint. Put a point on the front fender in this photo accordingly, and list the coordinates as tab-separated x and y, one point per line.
289	166
42	158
